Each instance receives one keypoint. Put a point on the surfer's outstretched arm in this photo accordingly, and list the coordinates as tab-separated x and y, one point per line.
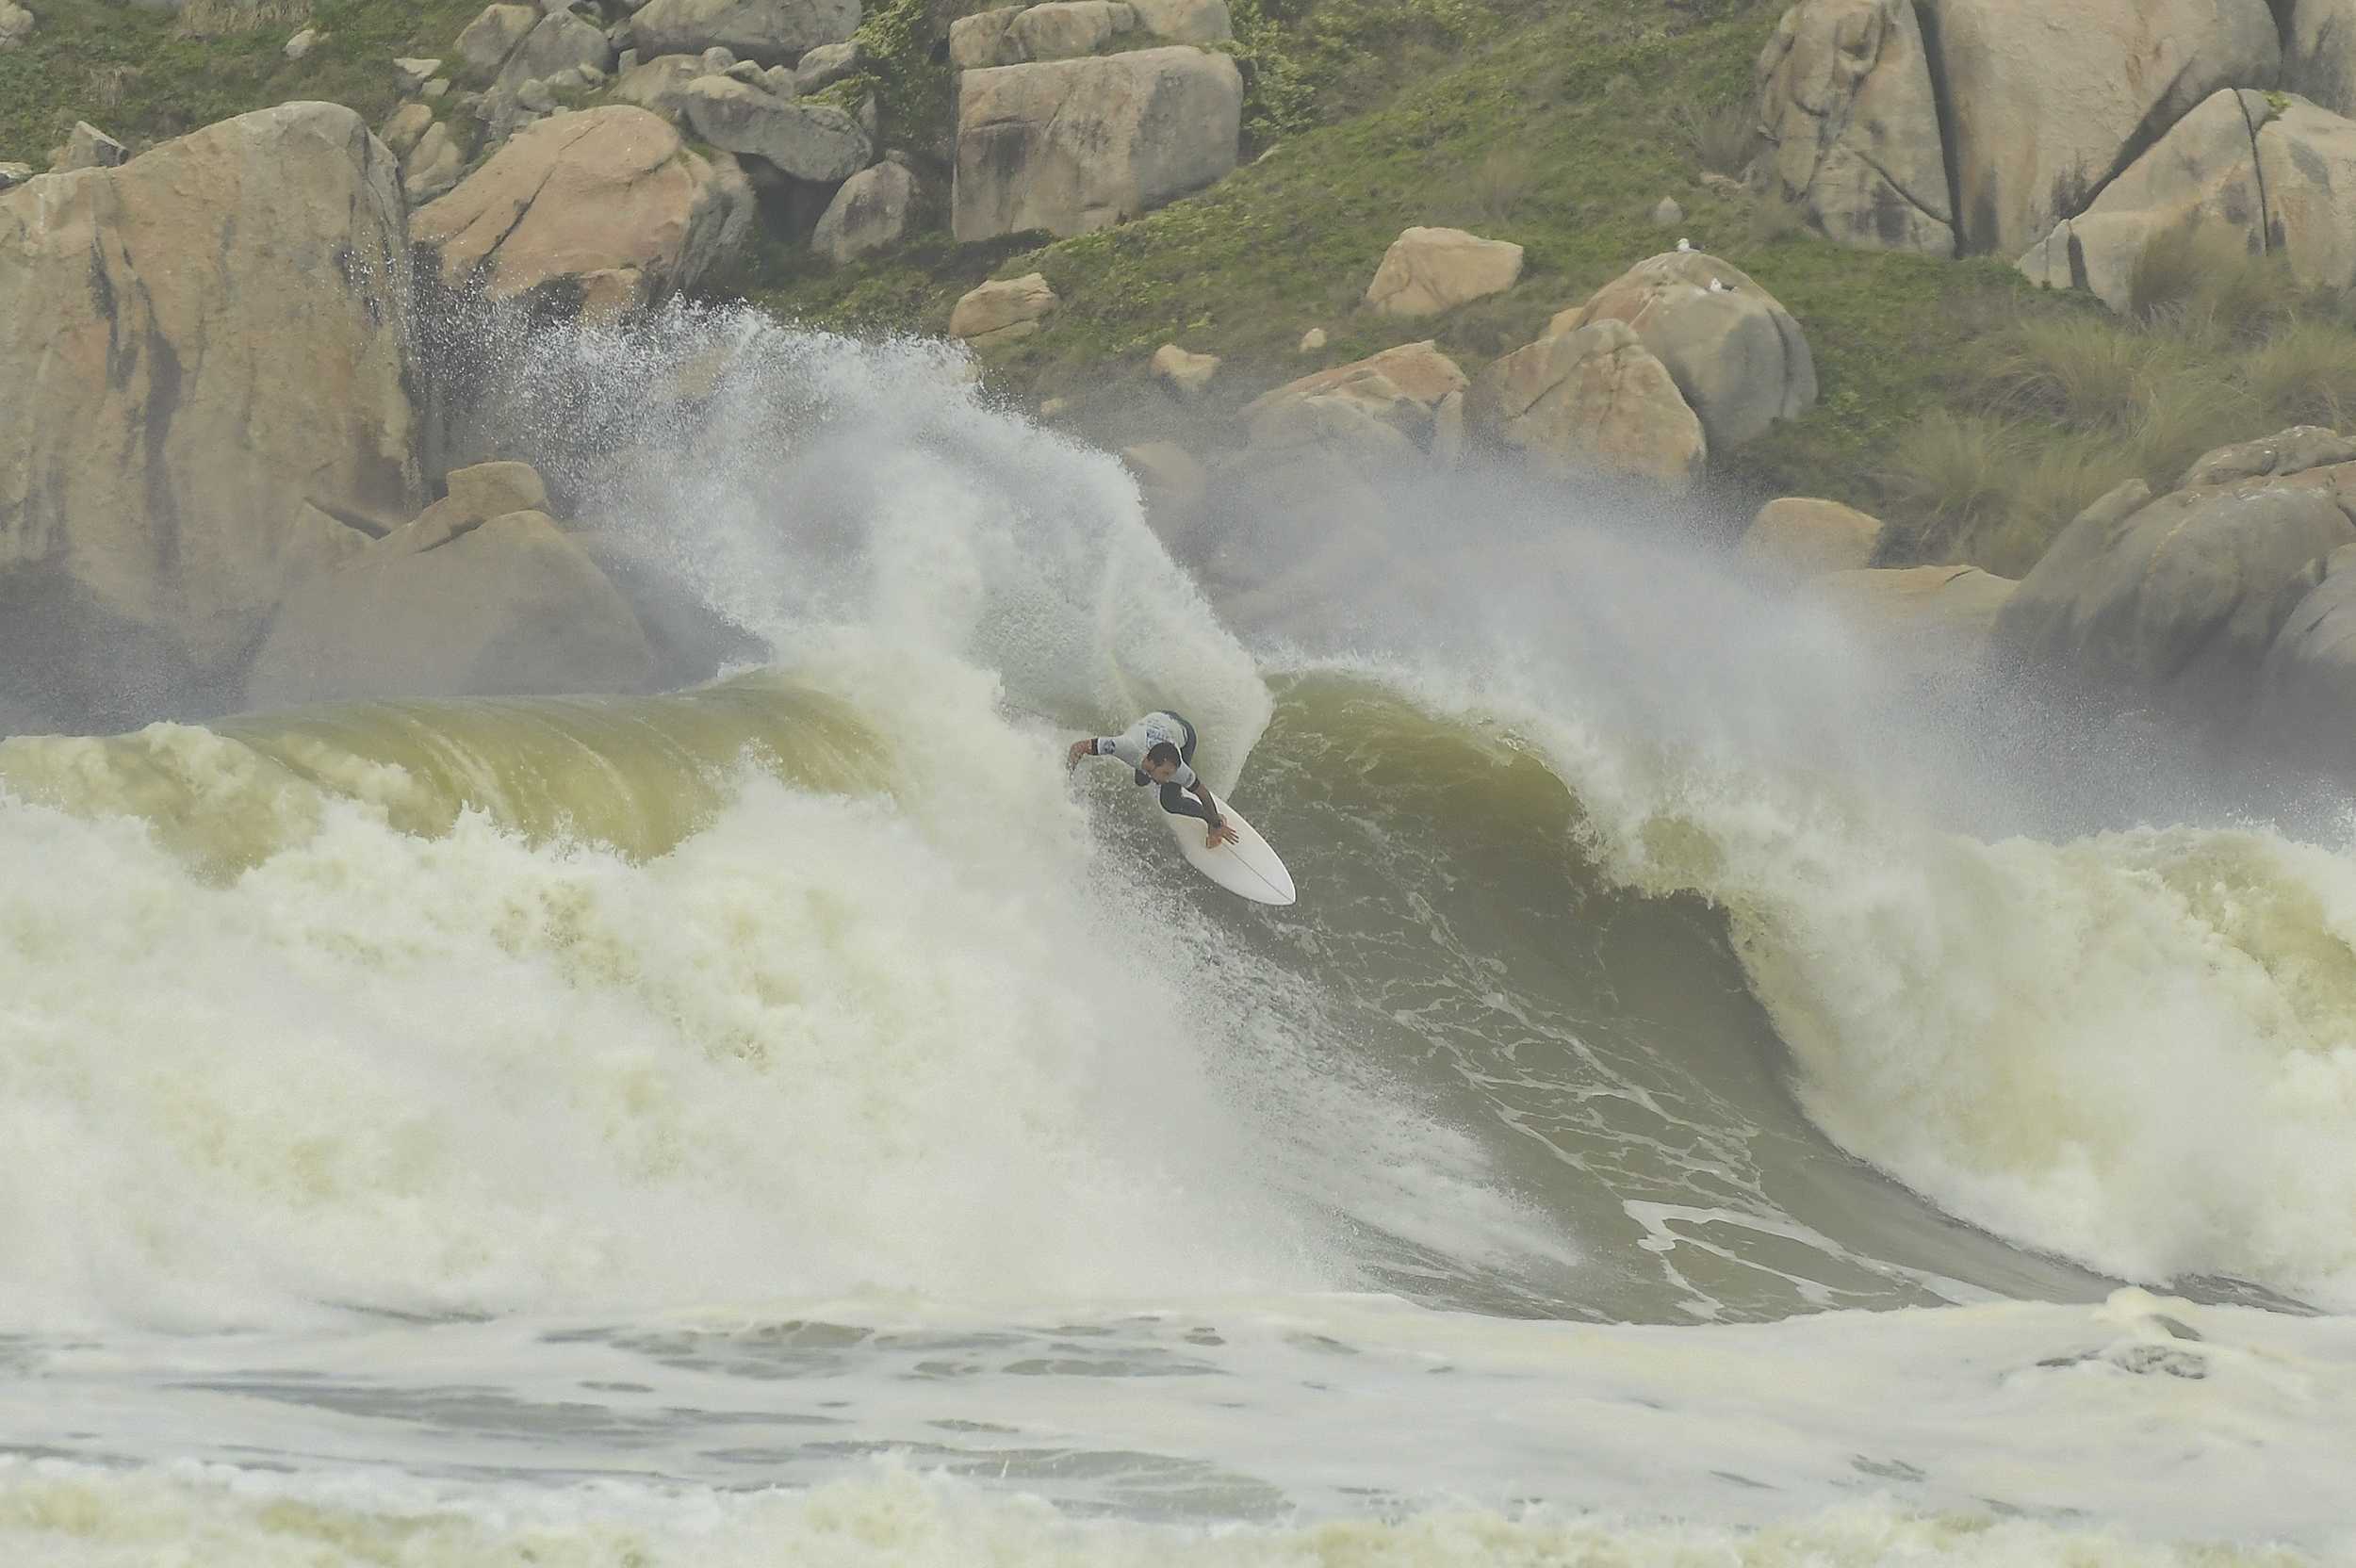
1202	807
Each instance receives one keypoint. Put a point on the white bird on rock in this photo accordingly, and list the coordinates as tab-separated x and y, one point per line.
1718	285
1685	245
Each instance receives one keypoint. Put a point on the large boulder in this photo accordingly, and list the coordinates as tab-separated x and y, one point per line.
597	212
1297	509
2275	171
2319	54
1063	29
1587	399
2307	688
774	32
1933	619
827	64
2307	167
1797	537
2173	602
1322	450
404	126
1074	145
1170	484
1737	355
454	606
1185	21
1002	310
1339	430
1182	372
16	25
207	351
985	39
1060	29
491	36
1428	271
816	142
87	147
1852	125
1403	387
432	167
560	42
2048	99
661	84
2300	450
2203	170
869	210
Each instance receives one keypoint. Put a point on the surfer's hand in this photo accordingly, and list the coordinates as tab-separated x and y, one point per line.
1221	834
1078	750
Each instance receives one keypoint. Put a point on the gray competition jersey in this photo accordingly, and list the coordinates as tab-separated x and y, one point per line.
1132	744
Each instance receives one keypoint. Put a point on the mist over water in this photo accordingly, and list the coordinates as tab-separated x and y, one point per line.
542	1090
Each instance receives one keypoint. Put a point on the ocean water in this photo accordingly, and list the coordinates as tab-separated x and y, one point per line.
1718	1099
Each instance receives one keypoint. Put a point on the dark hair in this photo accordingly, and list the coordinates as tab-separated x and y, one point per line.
1162	752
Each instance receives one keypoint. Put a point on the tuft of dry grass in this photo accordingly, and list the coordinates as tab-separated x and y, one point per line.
1723	140
1991	491
1775	214
2306	371
2064	404
2179	419
210	19
2078	369
2052	487
1499	184
107	83
1949	478
2202	281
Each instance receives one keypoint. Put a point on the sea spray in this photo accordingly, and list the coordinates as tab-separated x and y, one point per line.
798	481
565	1120
460	1074
2131	1045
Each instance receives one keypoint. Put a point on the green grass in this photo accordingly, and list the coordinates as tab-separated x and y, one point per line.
1974	412
146	76
2067	400
1558	127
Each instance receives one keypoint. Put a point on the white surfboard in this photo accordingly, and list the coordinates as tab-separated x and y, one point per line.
1247	867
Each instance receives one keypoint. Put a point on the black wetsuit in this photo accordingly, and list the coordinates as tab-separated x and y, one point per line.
1177	800
1177	797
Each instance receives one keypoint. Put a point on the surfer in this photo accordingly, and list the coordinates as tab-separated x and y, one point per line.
1160	747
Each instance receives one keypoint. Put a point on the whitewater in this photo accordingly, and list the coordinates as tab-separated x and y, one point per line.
1721	1096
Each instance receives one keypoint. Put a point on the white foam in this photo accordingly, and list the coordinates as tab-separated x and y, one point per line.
813	1047
51	1517
54	1518
2141	1431
806	482
2137	1049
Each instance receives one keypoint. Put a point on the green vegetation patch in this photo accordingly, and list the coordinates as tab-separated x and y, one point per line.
2064	400
1974	412
145	75
1560	129
1971	409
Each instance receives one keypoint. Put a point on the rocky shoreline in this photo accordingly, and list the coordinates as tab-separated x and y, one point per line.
190	528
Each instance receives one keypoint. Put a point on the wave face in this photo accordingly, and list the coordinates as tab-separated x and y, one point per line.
1662	957
1654	971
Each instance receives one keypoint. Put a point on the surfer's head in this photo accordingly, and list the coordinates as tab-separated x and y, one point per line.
1161	762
